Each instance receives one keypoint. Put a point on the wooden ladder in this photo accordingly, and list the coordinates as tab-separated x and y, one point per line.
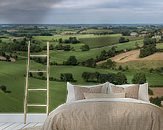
27	89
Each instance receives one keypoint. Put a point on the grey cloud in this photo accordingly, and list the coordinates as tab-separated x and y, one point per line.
25	11
130	4
97	11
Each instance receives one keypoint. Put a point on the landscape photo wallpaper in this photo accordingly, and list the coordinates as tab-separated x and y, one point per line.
91	42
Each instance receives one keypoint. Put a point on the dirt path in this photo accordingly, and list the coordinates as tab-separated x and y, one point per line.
157	91
134	56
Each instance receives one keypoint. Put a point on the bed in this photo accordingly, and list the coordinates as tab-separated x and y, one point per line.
103	113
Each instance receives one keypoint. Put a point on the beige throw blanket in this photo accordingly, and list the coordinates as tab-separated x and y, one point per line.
106	114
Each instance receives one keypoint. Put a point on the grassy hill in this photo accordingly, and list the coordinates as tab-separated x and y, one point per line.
12	73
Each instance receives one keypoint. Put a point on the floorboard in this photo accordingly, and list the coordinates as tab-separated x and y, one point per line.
18	126
30	125
6	125
14	121
21	126
39	124
13	126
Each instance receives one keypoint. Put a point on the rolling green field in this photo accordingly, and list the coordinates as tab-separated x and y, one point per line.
160	46
60	56
12	73
103	41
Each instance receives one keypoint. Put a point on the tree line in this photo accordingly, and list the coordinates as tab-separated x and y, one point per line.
149	47
20	45
116	78
70	40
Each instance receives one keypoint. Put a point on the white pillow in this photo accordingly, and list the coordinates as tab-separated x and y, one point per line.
71	93
143	90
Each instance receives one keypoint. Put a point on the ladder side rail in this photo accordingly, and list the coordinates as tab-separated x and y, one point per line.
26	86
47	108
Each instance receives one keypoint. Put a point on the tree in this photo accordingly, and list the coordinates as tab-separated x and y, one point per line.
40	74
85	76
156	100
149	41
139	78
120	68
60	40
66	77
109	64
102	78
73	40
2	54
147	50
123	40
85	48
121	78
71	61
89	63
3	88
149	47
67	48
126	33
51	47
126	68
112	52
7	58
30	74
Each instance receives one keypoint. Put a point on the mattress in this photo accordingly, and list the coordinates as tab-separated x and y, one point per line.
106	114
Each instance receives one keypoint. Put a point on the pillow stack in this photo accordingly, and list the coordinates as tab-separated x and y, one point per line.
107	90
136	91
76	92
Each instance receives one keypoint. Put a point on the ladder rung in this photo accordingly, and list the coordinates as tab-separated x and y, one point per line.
37	71
37	89
36	105
38	55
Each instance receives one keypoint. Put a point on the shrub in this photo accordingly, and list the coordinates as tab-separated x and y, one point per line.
40	74
3	88
89	63
66	77
85	48
30	74
123	40
120	68
109	64
148	48
71	61
139	78
156	100
65	48
87	76
121	78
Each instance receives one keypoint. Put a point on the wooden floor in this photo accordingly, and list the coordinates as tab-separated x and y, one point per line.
15	121
18	126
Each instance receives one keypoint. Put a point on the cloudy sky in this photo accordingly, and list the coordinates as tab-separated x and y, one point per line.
81	11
